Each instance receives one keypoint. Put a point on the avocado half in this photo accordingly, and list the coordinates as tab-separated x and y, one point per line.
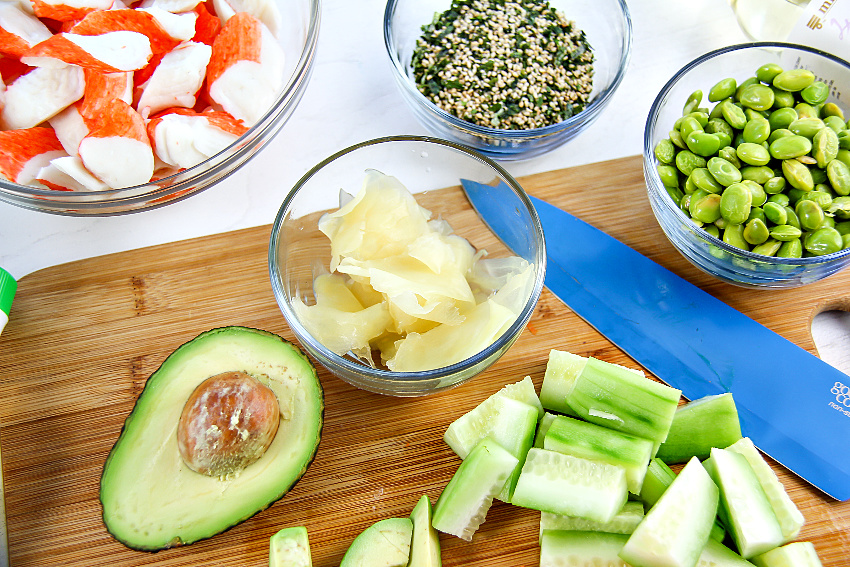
151	499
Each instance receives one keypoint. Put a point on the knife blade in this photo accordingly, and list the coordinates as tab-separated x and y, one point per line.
792	405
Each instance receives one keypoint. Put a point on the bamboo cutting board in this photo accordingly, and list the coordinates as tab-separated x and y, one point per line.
84	337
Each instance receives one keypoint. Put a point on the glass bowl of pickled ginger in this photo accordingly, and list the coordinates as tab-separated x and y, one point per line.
388	277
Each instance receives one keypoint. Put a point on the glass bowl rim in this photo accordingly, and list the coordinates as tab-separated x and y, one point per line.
589	112
349	365
215	167
649	161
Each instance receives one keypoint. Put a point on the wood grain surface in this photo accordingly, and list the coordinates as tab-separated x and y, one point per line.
84	336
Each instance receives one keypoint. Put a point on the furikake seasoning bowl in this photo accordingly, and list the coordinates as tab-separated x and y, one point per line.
603	24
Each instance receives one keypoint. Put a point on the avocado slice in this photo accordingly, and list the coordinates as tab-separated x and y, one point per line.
290	547
386	543
151	499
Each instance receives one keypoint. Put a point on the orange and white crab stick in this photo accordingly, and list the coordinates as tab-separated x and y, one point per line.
24	152
176	79
117	149
19	30
67	173
39	95
68	10
108	52
183	138
164	29
245	73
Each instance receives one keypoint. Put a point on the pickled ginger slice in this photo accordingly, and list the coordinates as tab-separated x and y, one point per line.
443	252
381	221
331	291
489	275
342	331
445	345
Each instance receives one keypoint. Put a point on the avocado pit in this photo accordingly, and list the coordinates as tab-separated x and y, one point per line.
227	423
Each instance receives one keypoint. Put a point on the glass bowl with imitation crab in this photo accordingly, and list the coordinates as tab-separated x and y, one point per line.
512	79
108	109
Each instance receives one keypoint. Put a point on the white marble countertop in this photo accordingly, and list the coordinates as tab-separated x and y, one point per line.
352	98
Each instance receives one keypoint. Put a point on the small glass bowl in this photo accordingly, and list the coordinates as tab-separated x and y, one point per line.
298	34
710	254
431	169
608	27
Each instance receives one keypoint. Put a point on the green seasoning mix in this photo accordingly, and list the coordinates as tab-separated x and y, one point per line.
504	64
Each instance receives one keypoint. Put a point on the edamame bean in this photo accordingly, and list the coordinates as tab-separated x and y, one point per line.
782	118
703	144
702	178
791	249
687	162
840	208
774	186
729	154
782	99
839	176
835	123
705	207
757	130
722	89
733	235
757	192
665	152
807	127
677	140
810	215
791	146
823	241
785	232
776	134
818	175
753	154
805	110
794	80
844	156
797	174
768	248
780	198
675	193
758	173
755	231
734	115
757	97
792	217
843	140
767	72
735	203
717	126
825	146
668	174
775	213
692	102
832	109
712	230
822	198
688	125
724	172
816	93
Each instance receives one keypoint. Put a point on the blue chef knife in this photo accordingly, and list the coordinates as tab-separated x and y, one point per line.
794	406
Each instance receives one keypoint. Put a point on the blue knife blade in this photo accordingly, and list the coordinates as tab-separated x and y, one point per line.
791	404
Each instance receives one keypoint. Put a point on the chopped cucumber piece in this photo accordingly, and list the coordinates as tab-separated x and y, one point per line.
571	486
591	441
467	497
789	516
425	544
562	369
523	391
386	543
746	509
616	397
698	426
290	547
658	477
675	530
797	554
715	554
560	548
542	427
508	422
624	522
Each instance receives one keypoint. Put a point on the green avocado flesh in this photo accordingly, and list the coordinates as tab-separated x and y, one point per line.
151	499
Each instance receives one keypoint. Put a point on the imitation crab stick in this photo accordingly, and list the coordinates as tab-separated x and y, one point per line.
164	29
245	72
184	138
176	79
67	173
39	95
207	26
109	52
18	30
68	10
24	152
118	150
264	10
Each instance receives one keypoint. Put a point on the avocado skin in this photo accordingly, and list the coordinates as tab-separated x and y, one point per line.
161	375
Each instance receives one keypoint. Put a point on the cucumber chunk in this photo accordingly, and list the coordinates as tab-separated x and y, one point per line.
789	516
624	522
425	543
386	543
675	531
584	439
616	397
542	428
467	497
290	547
559	548
797	554
523	391
746	509
658	477
571	486
715	554
508	422
698	426
562	369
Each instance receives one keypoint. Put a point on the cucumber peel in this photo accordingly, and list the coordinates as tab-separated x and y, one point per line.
624	522
715	554
698	426
559	548
675	531
797	554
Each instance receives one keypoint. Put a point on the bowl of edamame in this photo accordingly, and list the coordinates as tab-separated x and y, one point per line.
747	163
512	79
